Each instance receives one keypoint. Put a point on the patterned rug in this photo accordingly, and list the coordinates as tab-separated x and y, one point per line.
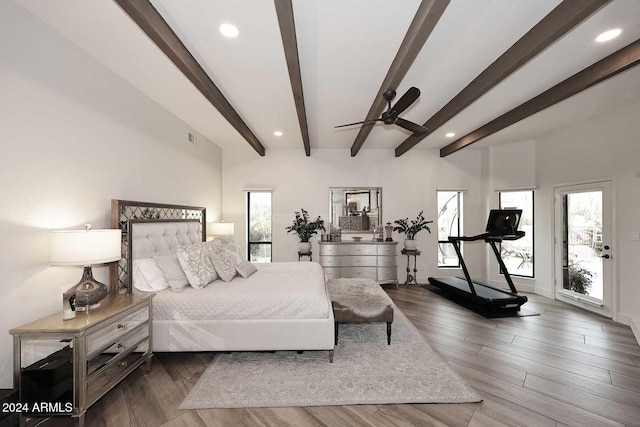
365	371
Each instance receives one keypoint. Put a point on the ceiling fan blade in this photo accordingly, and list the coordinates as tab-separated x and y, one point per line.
358	123
415	128
406	100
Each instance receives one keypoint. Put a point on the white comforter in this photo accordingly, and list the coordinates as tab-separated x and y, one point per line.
279	290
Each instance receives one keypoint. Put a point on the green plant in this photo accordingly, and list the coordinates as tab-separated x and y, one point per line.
304	228
410	229
580	278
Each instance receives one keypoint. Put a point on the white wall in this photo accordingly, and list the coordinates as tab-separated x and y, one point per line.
408	184
605	147
74	136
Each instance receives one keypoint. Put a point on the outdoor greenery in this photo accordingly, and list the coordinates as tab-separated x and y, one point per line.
410	229
580	278
305	228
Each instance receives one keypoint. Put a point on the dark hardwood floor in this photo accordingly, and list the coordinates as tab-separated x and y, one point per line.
565	367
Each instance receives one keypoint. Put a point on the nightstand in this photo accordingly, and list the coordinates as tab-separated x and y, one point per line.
62	367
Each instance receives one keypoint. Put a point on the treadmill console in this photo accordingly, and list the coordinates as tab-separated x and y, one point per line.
503	222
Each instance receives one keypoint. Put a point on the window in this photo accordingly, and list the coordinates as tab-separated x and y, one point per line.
259	226
518	254
449	224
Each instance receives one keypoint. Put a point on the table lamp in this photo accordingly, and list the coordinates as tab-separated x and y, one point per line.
221	229
86	247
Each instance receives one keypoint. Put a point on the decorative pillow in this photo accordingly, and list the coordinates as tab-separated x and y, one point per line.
246	269
172	271
230	247
147	276
197	265
222	262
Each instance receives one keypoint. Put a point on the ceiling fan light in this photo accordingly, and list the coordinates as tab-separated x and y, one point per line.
278	133
608	35
229	30
450	134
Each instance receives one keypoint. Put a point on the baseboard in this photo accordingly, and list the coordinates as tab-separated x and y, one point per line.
545	292
634	322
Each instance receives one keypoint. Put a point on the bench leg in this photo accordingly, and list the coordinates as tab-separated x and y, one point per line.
388	333
336	333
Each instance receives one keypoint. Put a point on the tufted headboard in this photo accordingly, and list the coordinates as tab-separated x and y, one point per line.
124	213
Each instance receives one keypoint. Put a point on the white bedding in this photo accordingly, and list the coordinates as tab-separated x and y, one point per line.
279	290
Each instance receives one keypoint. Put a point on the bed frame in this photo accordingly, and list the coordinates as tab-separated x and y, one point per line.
157	233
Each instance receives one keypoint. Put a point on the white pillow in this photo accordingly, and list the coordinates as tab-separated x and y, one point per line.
197	265
246	269
172	271
147	276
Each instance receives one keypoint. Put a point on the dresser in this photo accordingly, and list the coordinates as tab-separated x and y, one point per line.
70	364
368	260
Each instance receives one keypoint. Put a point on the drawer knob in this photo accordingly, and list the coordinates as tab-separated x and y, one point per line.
121	326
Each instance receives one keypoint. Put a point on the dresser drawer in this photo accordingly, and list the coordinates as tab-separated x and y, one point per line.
332	272
329	249
358	249
358	261
387	273
96	361
359	272
329	261
387	249
109	334
387	261
106	378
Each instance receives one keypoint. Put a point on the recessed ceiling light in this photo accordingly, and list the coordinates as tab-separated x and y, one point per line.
608	35
229	30
277	133
450	135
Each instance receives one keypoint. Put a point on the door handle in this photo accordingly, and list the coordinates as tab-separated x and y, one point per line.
605	256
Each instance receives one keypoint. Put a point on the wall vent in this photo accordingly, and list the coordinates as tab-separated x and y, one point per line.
192	138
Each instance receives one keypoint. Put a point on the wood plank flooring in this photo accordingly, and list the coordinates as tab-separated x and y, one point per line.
566	367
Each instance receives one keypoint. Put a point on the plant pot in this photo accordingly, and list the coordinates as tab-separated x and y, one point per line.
304	247
410	245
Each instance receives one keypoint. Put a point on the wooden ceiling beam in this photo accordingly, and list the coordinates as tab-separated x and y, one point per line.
425	20
604	69
566	16
151	22
284	10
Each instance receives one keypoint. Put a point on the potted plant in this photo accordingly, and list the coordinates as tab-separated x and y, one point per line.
580	279
305	229
410	229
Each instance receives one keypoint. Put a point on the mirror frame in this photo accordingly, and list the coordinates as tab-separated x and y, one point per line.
355	190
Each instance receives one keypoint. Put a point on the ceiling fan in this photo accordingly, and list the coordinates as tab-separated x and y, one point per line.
390	117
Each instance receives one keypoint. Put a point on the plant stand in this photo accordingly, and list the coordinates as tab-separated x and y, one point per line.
411	277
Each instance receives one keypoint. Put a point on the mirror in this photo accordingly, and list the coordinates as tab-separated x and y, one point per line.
355	209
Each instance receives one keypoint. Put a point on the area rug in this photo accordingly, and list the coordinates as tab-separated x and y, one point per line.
365	371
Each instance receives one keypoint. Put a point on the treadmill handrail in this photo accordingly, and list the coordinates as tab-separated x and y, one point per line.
487	237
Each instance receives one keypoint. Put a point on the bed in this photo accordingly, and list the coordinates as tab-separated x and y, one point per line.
283	306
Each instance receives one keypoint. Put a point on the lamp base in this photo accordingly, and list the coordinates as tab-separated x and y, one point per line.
88	291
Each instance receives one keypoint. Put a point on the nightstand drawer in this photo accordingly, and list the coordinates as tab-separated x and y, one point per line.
113	373
97	361
108	335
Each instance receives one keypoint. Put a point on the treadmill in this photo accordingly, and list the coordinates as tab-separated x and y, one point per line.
501	225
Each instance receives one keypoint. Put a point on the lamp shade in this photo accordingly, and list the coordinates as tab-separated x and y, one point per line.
221	229
85	247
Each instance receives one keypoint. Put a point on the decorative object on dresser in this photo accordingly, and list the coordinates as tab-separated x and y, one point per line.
411	229
305	229
72	364
86	247
388	231
366	259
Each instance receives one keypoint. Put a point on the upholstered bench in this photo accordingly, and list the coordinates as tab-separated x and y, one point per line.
360	301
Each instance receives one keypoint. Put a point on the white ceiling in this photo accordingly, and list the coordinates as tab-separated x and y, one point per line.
345	49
